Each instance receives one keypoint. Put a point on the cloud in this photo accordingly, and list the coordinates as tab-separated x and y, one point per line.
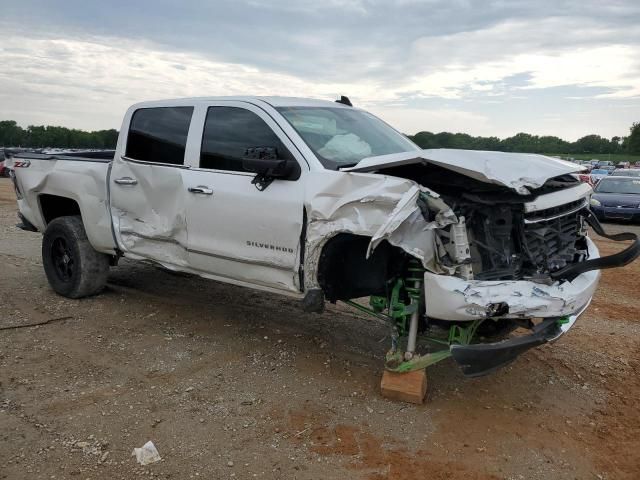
490	68
99	79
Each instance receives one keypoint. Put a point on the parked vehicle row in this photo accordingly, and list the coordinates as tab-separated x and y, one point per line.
594	176
605	164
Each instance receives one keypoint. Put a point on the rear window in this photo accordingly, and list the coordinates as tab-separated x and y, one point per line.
159	135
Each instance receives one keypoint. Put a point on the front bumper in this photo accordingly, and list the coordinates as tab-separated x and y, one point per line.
616	213
558	305
456	299
481	359
453	298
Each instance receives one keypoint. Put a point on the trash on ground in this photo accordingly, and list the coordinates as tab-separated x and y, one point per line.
147	454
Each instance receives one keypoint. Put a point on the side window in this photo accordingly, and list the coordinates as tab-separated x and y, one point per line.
159	134
229	132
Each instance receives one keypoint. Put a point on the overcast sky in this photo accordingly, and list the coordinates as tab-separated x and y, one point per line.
492	67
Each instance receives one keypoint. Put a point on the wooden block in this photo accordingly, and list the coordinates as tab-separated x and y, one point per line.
405	387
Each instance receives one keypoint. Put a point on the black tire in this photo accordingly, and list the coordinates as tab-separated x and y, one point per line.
74	269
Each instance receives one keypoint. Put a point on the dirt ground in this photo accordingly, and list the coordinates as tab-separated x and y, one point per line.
232	383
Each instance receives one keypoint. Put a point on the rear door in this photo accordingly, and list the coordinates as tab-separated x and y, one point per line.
147	192
237	232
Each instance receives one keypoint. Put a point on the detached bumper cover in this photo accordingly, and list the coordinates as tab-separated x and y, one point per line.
481	359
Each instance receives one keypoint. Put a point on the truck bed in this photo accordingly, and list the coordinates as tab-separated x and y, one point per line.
83	156
81	176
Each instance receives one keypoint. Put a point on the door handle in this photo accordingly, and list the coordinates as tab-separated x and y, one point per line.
126	181
201	189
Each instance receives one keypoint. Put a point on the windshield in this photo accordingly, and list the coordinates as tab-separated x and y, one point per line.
342	137
626	173
599	172
618	185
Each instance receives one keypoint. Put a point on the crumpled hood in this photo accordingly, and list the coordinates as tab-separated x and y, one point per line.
519	171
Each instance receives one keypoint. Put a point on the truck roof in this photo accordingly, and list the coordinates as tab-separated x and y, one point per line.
273	101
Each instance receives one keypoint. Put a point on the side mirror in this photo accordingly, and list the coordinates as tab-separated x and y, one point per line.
264	162
278	168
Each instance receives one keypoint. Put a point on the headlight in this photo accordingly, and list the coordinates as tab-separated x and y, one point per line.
595	203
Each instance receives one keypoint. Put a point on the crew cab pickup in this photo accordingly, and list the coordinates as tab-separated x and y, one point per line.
323	201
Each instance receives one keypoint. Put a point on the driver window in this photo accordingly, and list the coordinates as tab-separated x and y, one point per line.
229	132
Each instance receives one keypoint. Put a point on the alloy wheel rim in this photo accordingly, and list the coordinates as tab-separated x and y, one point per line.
62	259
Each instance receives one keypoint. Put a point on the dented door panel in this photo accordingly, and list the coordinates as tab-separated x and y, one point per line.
232	235
149	216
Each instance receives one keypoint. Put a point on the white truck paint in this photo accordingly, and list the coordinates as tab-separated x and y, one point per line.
214	222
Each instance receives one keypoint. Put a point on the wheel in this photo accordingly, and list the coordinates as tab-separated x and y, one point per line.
74	269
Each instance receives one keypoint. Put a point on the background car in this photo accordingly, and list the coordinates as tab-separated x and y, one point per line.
584	178
4	171
626	172
617	198
598	174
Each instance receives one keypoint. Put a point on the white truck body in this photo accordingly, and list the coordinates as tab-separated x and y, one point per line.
216	223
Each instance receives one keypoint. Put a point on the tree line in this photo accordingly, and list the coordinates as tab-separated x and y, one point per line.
40	136
13	135
527	143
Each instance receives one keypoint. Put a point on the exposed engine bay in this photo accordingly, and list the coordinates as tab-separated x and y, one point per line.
505	241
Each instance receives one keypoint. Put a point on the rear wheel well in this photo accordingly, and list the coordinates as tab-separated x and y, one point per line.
54	206
344	272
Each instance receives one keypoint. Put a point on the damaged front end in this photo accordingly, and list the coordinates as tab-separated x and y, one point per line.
486	268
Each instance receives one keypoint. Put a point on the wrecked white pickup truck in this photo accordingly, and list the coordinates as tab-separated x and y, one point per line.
323	201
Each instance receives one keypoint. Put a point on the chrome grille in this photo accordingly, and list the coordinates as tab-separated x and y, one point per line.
555	212
550	243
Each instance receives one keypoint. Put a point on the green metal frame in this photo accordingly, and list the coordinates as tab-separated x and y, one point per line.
463	335
397	313
395	361
372	312
457	335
